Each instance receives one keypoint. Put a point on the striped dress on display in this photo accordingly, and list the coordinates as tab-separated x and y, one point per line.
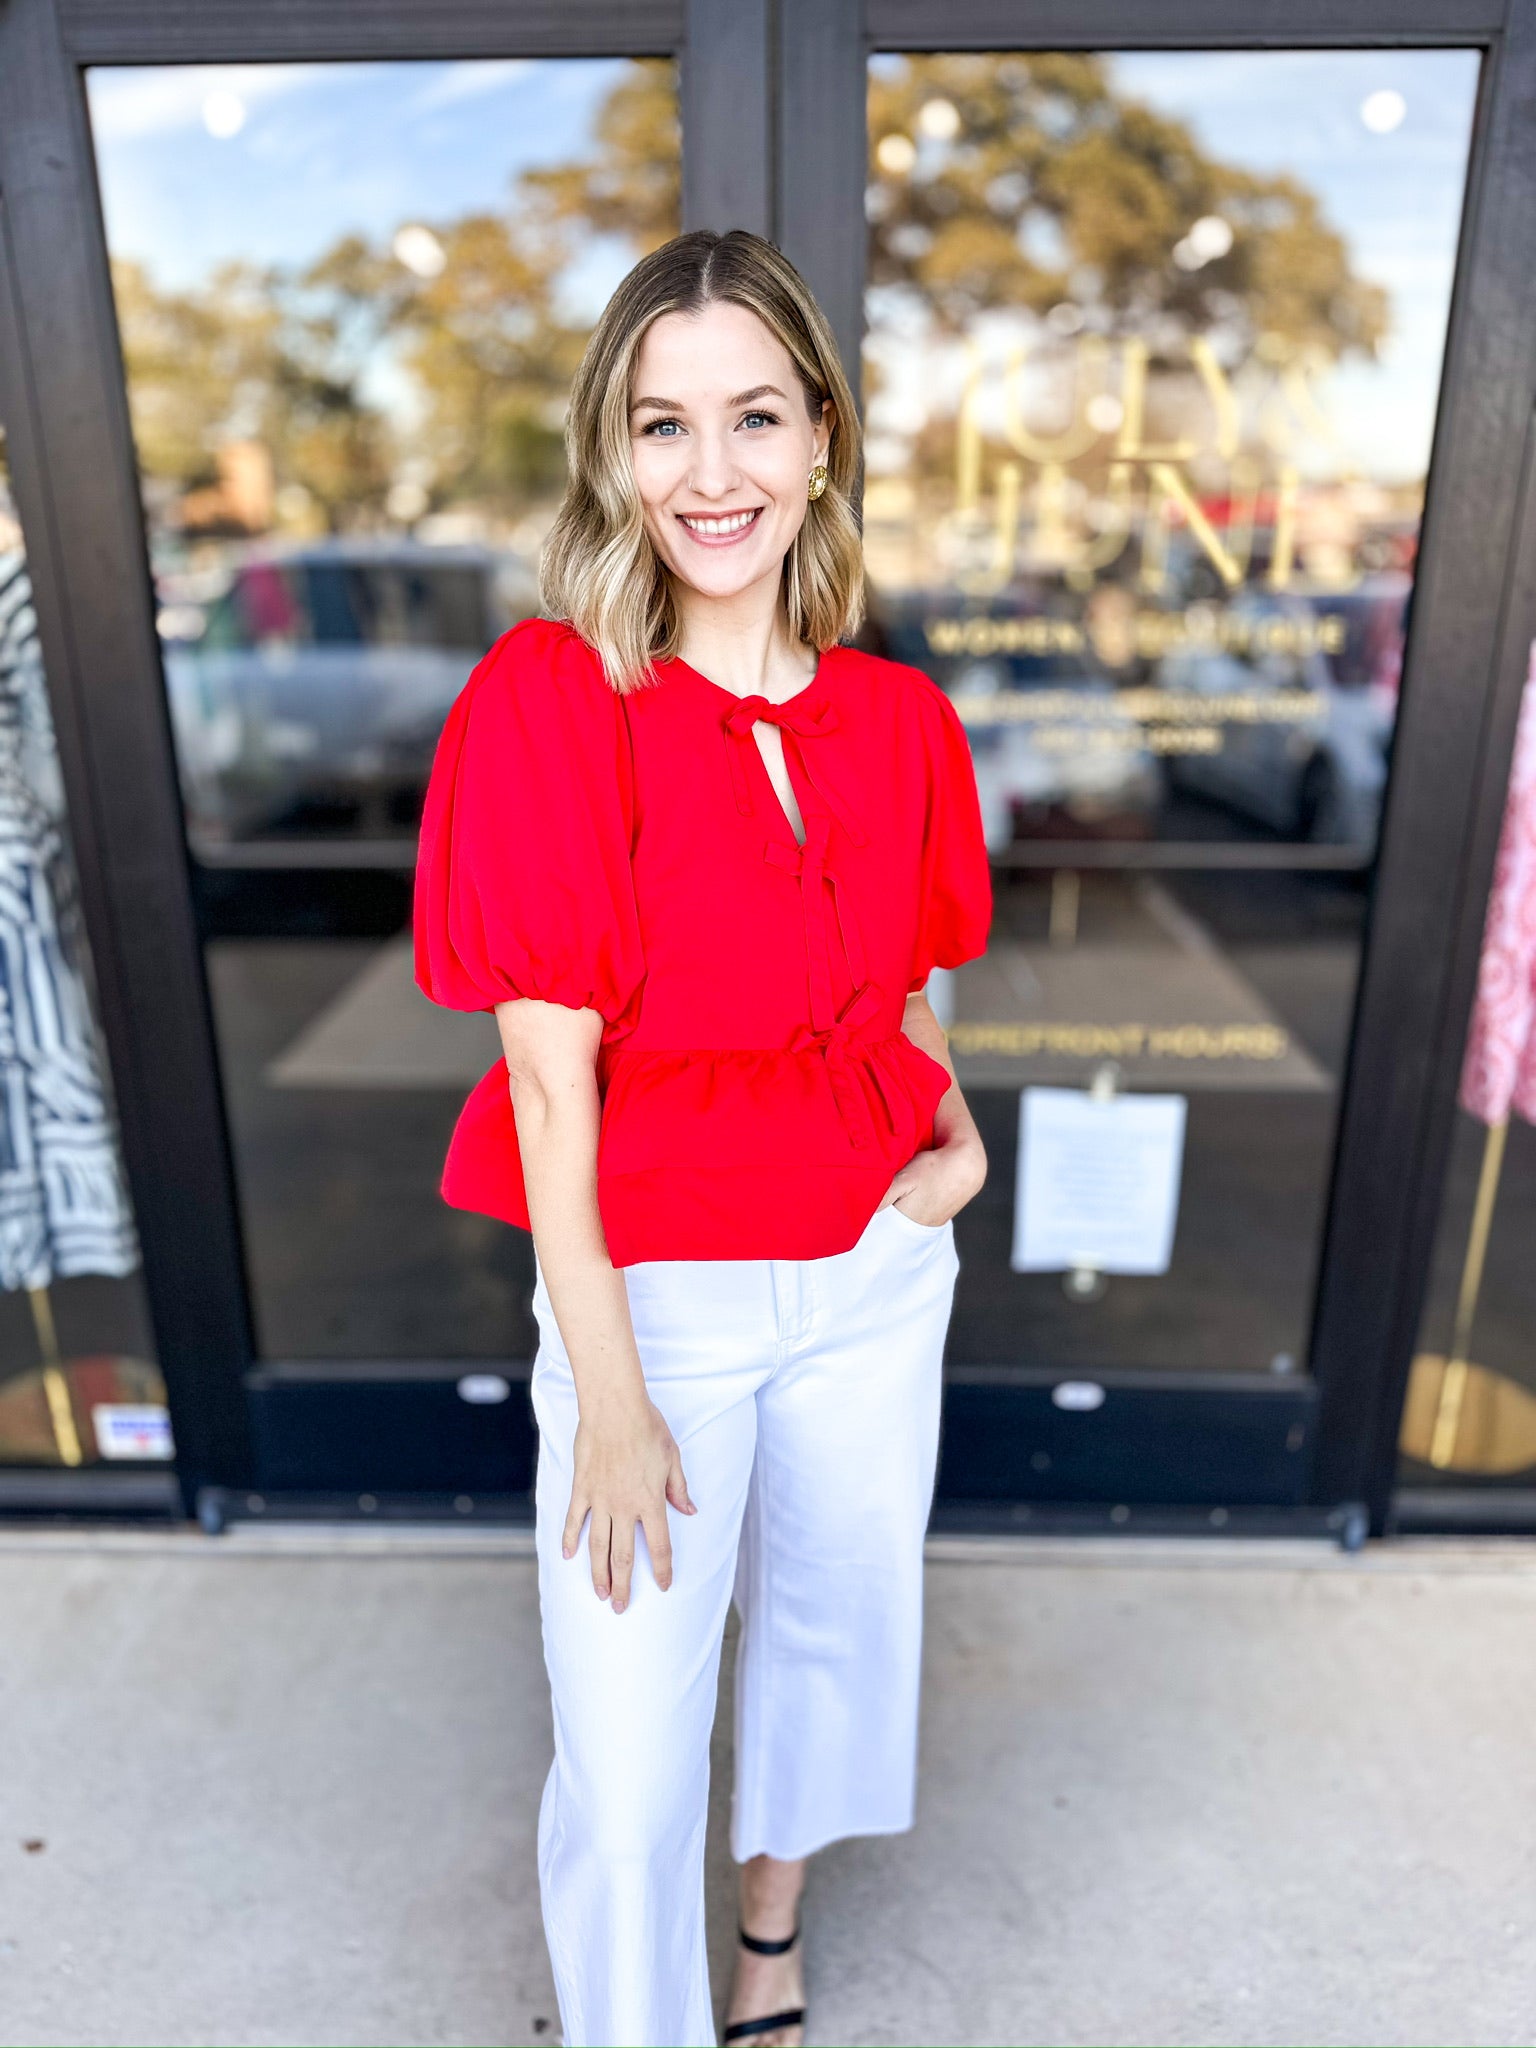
64	1206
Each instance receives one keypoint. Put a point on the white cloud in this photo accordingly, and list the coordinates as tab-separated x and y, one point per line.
131	101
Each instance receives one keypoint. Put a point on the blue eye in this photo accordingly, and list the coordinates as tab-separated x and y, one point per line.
654	427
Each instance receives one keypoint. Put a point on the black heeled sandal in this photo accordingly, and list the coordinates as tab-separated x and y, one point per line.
792	2016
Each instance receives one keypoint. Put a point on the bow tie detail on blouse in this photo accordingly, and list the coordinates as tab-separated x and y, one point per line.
828	1032
797	721
826	901
808	863
842	1071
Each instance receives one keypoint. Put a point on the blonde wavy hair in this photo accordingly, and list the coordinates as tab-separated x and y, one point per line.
598	569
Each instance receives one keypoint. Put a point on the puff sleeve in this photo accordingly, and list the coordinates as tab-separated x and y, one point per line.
523	878
955	914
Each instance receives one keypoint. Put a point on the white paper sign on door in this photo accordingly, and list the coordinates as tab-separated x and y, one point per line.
1098	1181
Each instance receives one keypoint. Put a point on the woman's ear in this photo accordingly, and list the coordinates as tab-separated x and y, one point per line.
822	437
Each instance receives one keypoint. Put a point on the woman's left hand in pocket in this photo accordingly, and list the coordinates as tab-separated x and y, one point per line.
934	1185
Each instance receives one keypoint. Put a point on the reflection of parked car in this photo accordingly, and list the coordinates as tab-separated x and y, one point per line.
308	690
1319	776
1080	772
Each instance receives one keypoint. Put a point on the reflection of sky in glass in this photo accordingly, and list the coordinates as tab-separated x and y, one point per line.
1395	198
331	149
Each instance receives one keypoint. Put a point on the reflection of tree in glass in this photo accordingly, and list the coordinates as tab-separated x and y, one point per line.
629	186
281	356
1026	180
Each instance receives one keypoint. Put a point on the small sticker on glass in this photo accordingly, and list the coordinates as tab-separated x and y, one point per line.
124	1430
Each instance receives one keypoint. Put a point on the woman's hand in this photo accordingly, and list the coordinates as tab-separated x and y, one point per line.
933	1185
628	1467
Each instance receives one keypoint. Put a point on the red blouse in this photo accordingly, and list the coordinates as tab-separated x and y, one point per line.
629	854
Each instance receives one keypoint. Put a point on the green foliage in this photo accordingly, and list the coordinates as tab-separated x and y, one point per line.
282	354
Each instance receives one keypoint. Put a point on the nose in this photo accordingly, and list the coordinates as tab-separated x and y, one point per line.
713	473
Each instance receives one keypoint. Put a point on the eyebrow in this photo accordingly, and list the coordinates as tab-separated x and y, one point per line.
741	398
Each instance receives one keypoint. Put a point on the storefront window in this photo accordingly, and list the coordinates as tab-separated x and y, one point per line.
1154	344
77	1386
1470	1415
350	298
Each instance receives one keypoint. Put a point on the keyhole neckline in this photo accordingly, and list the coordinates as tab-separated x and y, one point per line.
809	698
783	821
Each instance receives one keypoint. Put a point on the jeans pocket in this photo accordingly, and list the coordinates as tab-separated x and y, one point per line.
922	1230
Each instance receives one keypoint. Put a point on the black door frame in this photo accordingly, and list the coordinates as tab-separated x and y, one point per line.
773	95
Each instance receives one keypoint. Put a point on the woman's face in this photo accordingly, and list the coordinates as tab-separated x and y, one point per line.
723	447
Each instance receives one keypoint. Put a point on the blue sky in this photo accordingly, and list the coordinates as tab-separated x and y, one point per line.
1395	197
327	149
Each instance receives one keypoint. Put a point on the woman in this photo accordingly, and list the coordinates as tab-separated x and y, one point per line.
700	857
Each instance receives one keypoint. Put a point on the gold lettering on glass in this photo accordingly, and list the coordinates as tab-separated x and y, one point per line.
1072	498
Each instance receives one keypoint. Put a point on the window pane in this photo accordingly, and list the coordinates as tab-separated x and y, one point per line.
1153	351
351	297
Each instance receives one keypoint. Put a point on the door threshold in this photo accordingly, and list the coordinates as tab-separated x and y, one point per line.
1346	1524
88	1493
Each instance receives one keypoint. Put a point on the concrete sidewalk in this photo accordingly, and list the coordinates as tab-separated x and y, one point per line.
281	1787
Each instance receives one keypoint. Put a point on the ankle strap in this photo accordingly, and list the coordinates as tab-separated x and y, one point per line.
766	1948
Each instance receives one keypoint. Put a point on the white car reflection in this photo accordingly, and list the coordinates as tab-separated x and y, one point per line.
1319	777
308	684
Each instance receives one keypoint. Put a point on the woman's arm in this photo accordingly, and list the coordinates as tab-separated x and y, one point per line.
628	1467
934	1184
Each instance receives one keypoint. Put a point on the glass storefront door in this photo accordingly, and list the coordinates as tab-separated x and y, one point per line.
1153	350
1156	346
350	298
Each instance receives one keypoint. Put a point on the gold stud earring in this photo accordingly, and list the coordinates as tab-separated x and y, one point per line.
818	482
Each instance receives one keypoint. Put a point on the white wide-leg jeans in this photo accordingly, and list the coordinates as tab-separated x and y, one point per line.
804	1395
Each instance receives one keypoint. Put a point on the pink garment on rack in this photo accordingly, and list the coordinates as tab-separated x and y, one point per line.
1499	1070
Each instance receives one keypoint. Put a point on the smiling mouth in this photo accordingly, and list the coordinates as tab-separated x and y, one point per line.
719	526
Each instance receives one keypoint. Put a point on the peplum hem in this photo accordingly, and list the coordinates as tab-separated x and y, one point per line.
736	1153
735	1212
